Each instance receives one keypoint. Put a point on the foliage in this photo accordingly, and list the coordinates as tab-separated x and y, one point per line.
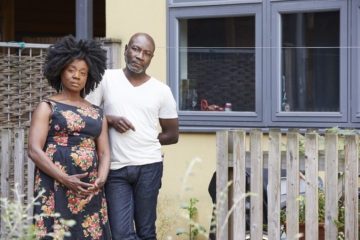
18	224
341	133
340	222
302	207
194	228
321	207
223	198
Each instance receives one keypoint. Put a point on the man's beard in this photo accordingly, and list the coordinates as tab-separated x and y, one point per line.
133	69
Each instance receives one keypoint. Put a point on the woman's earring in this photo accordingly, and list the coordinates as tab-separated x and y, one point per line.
61	87
84	93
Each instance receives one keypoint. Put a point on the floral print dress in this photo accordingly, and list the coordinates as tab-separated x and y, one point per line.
70	144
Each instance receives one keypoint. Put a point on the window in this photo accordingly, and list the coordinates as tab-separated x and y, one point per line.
310	44
309	63
215	60
280	63
217	64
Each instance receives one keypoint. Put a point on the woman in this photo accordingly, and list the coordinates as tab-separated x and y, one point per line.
68	141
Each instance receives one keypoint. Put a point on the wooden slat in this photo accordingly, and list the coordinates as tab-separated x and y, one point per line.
30	178
5	162
30	182
221	184
19	159
256	184
239	186
351	186
292	184
311	194
274	184
331	185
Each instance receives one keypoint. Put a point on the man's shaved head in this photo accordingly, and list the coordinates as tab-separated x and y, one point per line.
147	36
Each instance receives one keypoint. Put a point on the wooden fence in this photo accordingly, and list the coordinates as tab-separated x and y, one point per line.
15	166
283	151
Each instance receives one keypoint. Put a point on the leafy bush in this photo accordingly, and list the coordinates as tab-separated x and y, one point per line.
18	224
193	227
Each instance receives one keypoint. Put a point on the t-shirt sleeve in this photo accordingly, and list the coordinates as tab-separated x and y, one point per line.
96	97
168	105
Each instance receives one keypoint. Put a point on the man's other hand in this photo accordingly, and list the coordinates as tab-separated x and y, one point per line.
121	124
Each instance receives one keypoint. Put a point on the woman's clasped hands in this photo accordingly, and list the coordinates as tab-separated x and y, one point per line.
83	189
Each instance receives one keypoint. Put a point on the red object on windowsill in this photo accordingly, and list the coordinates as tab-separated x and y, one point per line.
206	107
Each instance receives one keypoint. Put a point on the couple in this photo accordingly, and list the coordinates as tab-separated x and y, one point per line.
73	149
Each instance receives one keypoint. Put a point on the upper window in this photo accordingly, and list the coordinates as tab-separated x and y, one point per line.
217	64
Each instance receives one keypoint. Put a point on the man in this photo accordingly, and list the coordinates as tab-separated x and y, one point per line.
134	103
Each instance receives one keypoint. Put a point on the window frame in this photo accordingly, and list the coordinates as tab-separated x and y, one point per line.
355	61
209	120
279	8
189	3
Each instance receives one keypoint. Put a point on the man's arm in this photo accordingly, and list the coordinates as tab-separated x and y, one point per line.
170	131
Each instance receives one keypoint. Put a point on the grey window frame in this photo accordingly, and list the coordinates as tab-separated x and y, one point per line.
279	8
355	59
191	3
211	120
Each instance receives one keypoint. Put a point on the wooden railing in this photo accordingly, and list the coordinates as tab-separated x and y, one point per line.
233	159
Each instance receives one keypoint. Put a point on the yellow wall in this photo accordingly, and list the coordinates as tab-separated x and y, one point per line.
123	19
126	17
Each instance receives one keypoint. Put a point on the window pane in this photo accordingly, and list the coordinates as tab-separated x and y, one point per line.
310	62
217	63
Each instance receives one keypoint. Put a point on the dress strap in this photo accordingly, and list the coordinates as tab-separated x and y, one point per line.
51	103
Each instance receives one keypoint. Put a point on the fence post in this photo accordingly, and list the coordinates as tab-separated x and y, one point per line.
331	185
274	184
239	180
19	159
351	186
311	194
292	184
5	163
256	184
221	184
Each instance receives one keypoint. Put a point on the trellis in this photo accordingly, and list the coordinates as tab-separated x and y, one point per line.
22	84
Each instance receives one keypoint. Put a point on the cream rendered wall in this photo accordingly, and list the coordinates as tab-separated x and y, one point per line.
123	19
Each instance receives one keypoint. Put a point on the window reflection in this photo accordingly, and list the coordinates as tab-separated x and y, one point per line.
217	64
310	62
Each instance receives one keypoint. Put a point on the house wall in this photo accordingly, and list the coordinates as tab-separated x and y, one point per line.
123	19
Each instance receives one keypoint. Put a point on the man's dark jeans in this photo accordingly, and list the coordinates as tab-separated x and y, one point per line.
131	194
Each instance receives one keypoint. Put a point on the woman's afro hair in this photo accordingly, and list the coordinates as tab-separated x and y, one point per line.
68	49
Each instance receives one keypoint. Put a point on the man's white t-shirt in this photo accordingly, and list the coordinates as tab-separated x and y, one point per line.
142	106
